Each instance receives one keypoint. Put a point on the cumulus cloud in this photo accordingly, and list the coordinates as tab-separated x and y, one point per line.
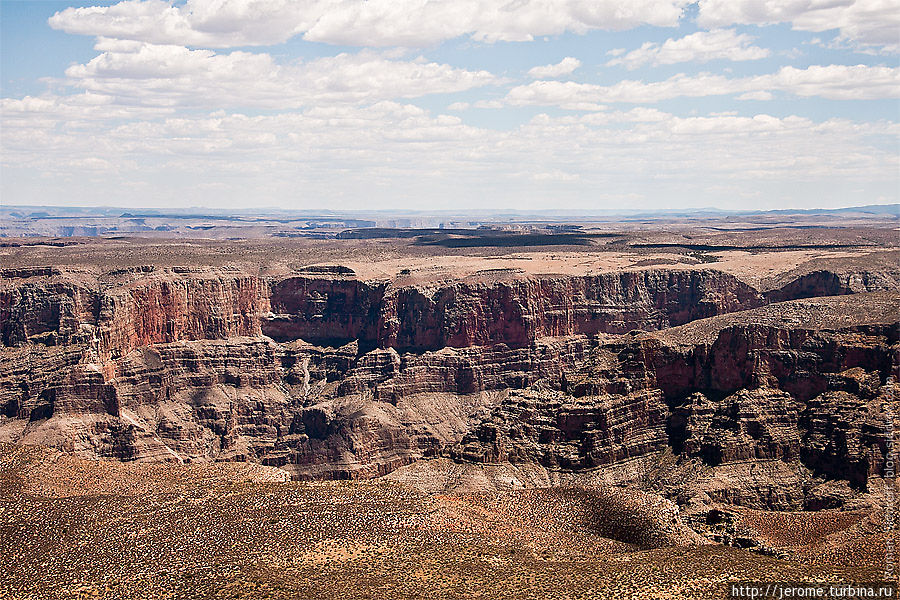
700	47
75	108
409	23
563	67
166	75
211	23
862	22
837	82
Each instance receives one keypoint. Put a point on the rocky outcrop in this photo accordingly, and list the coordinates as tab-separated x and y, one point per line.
324	310
46	308
846	434
318	412
713	391
752	394
132	310
750	424
518	311
825	282
558	431
183	306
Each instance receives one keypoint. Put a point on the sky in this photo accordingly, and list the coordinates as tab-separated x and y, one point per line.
450	104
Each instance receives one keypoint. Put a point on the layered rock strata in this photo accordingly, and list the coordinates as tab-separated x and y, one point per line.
121	311
774	384
330	376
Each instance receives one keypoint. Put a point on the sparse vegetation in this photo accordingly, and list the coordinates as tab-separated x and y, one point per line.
206	531
704	257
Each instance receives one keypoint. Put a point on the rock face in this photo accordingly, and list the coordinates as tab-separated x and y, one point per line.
828	283
558	431
754	394
130	308
750	424
329	376
321	412
185	307
44	306
517	312
127	310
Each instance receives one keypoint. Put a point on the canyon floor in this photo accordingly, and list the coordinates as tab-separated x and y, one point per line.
618	409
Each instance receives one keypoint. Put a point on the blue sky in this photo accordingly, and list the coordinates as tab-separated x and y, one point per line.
426	104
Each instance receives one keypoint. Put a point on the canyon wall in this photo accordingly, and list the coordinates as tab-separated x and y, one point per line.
122	310
757	392
330	376
125	310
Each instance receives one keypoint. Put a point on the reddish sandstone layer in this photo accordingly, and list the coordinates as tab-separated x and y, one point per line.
120	311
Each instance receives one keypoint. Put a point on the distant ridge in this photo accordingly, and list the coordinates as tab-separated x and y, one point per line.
249	215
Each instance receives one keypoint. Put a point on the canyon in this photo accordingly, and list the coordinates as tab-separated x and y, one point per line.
687	389
329	375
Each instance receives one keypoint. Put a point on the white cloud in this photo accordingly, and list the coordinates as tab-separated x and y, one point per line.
837	82
700	47
758	95
167	76
160	113
492	104
395	154
75	108
409	23
563	67
552	176
210	23
863	22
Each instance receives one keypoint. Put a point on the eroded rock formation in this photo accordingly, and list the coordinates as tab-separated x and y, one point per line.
330	376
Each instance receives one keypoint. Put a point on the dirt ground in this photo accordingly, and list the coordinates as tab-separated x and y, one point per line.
72	528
